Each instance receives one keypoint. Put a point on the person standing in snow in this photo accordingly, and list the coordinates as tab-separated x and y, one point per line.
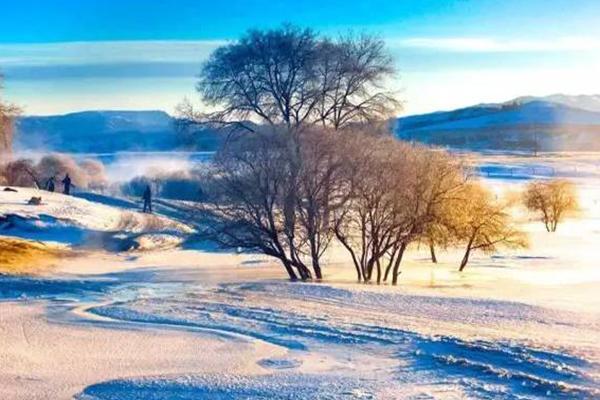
50	185
67	184
147	196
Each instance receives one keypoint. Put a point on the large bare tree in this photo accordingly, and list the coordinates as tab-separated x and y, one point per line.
434	178
368	224
293	77
248	193
399	194
291	82
244	198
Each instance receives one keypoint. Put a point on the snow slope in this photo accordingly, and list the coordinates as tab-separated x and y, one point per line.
74	221
556	123
183	324
583	102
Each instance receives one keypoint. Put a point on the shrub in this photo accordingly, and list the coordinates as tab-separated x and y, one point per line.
552	200
21	172
181	185
89	174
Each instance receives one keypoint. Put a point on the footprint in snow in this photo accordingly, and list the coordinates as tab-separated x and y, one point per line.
279	363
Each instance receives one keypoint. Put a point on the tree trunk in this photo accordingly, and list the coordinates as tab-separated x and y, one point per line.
378	272
344	243
388	268
432	251
314	253
359	275
370	265
317	269
396	272
303	271
289	269
366	274
547	225
465	259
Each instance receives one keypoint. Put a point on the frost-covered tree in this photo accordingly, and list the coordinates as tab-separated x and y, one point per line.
435	177
400	191
287	86
292	77
483	223
552	200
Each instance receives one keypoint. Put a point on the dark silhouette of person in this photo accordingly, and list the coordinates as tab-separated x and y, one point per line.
67	184
147	196
50	185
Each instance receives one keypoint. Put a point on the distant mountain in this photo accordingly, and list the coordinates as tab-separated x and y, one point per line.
557	122
583	102
105	132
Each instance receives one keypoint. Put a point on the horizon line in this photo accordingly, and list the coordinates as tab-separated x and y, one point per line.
133	110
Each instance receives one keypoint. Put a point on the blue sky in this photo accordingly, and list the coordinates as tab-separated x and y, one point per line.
66	55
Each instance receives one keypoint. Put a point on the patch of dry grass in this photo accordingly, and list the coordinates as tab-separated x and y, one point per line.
138	222
26	257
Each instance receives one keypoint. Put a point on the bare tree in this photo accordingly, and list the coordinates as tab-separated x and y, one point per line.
484	223
368	224
245	197
399	193
439	231
435	179
325	182
293	81
8	112
292	77
351	73
552	200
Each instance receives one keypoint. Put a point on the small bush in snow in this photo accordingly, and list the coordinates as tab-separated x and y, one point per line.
552	200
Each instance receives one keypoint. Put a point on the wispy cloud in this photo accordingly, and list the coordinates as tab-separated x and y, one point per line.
63	77
118	52
193	52
492	45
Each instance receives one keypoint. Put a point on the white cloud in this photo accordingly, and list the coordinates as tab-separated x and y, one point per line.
491	45
118	52
107	84
123	52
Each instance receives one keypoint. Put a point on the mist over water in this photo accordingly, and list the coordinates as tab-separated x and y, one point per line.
128	165
124	166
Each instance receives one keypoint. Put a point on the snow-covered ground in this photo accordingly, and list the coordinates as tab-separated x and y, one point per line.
190	324
85	220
